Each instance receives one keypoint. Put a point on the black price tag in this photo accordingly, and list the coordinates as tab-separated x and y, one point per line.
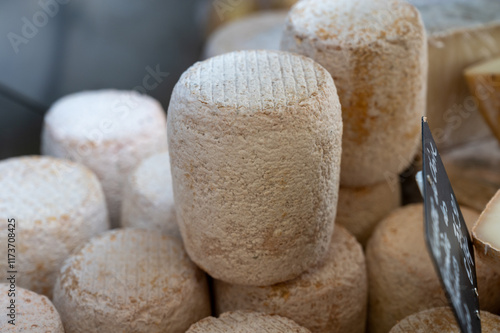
448	239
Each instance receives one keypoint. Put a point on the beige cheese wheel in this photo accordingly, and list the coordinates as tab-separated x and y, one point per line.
131	280
255	145
331	297
34	313
260	31
246	322
401	277
110	131
360	209
54	206
148	197
442	320
376	52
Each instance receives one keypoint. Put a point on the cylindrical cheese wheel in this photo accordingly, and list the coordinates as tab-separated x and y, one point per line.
246	322
376	52
360	208
255	144
27	311
402	279
148	197
442	320
131	280
261	31
49	207
331	297
110	131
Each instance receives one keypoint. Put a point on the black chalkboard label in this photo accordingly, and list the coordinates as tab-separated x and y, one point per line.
448	239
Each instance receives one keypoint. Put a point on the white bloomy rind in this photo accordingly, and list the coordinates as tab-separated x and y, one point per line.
110	131
376	52
255	145
57	205
148	198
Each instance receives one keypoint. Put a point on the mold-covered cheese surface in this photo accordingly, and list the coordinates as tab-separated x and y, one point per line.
131	280
54	206
255	144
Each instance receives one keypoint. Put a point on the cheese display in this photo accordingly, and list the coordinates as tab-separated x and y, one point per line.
255	145
148	197
32	312
49	208
442	320
360	209
484	83
257	31
109	131
460	34
131	280
486	234
246	322
401	276
376	52
317	298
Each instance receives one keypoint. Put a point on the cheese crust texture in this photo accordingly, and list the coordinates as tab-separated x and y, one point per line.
331	297
109	131
255	144
52	207
376	52
131	280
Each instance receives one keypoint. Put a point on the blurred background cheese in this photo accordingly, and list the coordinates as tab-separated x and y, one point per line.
34	313
246	322
317	298
257	31
376	52
131	280
110	131
401	276
442	320
255	145
148	197
57	205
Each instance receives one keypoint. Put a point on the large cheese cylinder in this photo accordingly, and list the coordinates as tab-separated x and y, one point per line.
360	209
110	131
49	207
148	197
401	276
255	144
27	311
376	52
316	299
246	322
442	320
131	280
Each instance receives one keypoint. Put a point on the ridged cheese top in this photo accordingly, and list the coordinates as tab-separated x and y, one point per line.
352	22
153	178
247	81
246	322
104	115
39	188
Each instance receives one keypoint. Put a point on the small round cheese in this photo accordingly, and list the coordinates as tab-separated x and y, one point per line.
261	31
316	299
255	145
376	52
110	131
360	209
27	311
401	276
148	197
442	320
131	280
49	207
246	322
